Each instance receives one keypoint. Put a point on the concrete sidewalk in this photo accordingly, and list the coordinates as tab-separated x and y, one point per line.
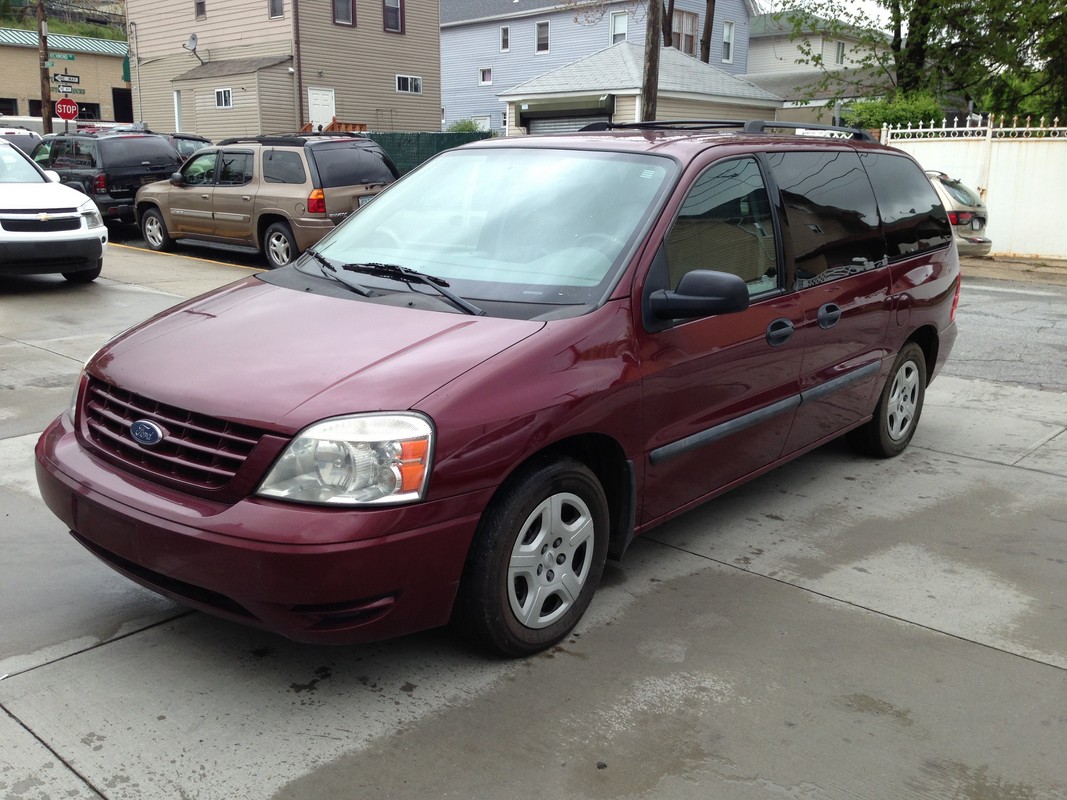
1030	270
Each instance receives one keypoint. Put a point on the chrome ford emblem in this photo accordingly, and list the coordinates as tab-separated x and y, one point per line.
145	432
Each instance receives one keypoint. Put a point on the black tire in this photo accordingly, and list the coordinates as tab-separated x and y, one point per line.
154	231
279	246
525	586
85	275
899	407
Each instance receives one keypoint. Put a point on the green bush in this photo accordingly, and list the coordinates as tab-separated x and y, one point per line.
464	126
898	110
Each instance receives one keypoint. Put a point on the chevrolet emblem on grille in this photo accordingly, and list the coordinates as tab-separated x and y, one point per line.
146	432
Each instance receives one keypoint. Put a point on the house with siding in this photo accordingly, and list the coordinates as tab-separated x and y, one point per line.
488	47
246	67
611	82
777	62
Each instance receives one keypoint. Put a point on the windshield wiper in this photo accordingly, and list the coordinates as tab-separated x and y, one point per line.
409	276
325	266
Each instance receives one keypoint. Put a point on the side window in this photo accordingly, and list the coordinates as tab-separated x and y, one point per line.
235	169
725	224
832	214
200	169
912	215
283	166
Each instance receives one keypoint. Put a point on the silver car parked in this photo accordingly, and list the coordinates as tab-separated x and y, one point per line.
966	211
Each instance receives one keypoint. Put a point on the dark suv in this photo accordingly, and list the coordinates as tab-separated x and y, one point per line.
109	167
275	194
489	380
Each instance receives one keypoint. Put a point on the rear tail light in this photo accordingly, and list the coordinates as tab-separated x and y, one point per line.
960	217
100	184
956	299
317	202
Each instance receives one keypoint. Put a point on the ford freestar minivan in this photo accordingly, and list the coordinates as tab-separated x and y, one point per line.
495	375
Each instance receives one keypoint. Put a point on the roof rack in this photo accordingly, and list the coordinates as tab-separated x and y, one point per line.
667	125
751	126
298	139
761	126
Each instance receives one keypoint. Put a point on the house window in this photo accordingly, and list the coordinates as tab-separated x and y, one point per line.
344	12
542	38
839	54
618	26
727	43
505	39
409	84
485	76
223	98
275	8
684	32
504	120
200	8
393	15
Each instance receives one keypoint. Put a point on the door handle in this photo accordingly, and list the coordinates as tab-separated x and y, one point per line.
779	332
829	315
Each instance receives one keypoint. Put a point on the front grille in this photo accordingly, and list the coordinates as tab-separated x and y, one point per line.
197	451
36	225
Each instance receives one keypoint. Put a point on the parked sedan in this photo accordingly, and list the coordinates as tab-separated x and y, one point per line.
966	211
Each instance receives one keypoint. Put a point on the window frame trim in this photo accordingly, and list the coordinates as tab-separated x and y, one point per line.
505	33
611	26
728	43
352	11
281	11
227	92
401	15
548	37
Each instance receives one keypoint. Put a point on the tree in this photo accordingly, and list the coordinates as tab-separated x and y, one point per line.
977	50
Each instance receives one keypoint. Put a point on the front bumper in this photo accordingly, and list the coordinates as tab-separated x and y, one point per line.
377	574
39	257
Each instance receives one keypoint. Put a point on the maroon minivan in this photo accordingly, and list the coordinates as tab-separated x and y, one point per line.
495	375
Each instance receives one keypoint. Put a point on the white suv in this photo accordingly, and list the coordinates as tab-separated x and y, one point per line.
46	227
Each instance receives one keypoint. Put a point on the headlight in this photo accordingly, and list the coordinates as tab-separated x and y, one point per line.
366	459
91	213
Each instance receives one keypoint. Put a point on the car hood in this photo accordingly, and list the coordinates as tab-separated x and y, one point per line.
280	359
42	197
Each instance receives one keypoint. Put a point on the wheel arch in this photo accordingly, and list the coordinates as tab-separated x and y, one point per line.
264	222
928	340
604	456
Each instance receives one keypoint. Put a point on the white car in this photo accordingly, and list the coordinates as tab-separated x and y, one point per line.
46	227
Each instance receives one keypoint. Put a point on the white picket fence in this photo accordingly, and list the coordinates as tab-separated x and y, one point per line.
1019	168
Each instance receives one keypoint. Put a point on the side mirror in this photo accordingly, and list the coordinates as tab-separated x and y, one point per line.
701	293
177	179
52	175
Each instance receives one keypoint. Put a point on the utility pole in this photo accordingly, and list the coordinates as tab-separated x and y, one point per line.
650	87
46	86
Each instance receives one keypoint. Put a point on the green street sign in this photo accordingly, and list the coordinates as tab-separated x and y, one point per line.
49	63
62	56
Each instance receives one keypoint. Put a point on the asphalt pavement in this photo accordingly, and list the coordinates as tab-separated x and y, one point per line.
839	628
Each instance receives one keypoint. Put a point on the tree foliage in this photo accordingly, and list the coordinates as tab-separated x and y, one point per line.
901	110
1001	54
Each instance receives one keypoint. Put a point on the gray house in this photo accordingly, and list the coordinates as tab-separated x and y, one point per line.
606	87
488	47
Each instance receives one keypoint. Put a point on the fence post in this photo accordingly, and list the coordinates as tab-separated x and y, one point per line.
987	158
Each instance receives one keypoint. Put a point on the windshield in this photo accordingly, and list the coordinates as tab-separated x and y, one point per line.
960	193
16	168
545	228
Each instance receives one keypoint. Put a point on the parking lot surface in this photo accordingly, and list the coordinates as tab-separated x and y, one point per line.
840	628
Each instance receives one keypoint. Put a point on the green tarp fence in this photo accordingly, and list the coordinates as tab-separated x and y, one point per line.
408	150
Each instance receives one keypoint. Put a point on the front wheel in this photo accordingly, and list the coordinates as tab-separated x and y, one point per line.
897	413
279	246
536	559
85	275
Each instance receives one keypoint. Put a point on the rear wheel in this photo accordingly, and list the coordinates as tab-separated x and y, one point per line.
536	560
899	407
279	246
154	231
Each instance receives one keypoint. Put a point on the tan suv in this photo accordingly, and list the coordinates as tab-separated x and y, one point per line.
273	194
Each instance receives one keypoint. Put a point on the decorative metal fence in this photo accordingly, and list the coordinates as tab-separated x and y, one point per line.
1018	165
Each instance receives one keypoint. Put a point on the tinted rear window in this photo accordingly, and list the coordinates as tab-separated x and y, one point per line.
283	166
960	193
134	151
832	214
23	141
351	165
912	215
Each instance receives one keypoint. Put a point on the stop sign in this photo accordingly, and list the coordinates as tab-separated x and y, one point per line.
67	108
